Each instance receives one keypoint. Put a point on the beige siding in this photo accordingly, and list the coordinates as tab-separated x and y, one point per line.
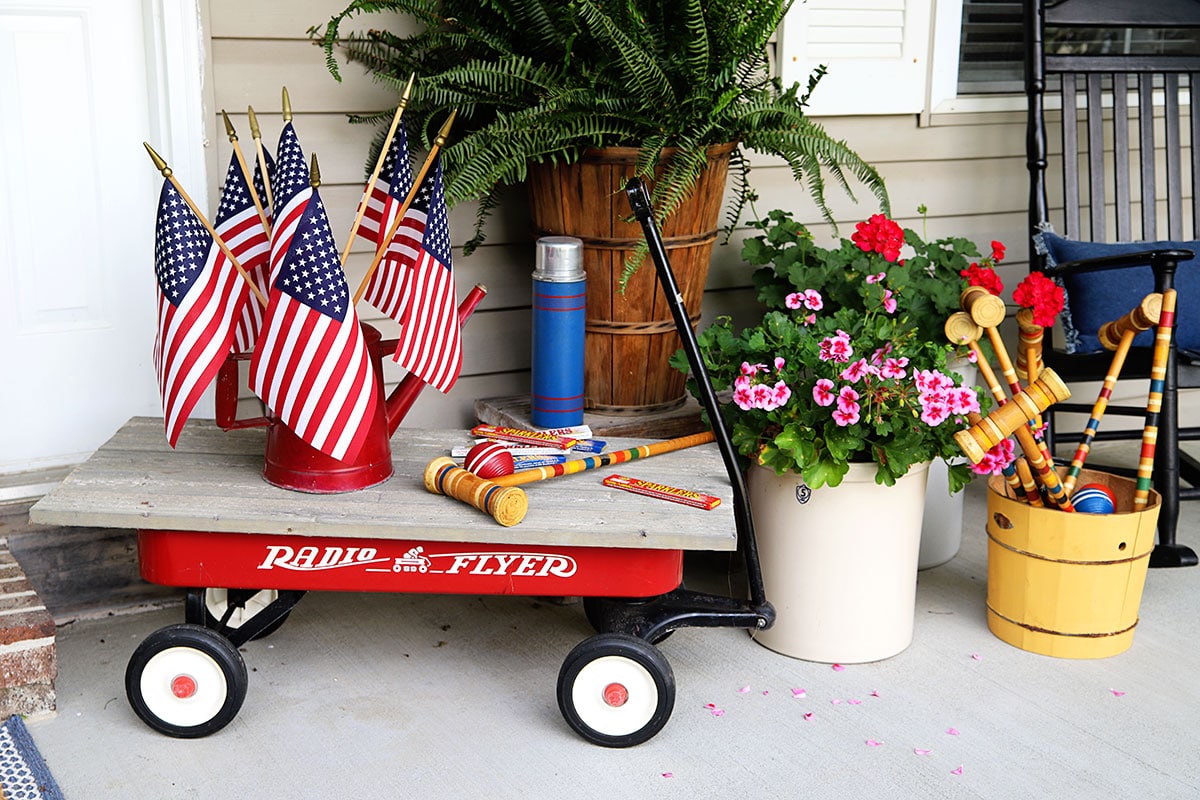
967	169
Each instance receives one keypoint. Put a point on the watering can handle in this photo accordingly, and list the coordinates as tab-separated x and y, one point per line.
227	396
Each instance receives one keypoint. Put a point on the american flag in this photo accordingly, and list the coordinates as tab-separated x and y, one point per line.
430	337
386	195
199	298
292	190
239	225
310	365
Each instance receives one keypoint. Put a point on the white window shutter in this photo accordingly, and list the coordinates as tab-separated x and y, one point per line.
876	51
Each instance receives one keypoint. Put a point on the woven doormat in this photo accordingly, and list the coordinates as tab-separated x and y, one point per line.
23	773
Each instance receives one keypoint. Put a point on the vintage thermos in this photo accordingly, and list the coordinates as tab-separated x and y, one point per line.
559	312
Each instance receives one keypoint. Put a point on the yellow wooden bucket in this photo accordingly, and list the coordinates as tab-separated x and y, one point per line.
1068	585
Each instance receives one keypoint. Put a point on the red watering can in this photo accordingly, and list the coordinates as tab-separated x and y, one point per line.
292	463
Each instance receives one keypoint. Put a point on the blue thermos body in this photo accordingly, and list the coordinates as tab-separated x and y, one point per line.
559	314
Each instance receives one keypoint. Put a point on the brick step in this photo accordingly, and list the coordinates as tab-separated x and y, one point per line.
28	659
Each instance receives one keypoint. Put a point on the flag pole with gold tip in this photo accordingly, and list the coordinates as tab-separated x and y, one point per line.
438	142
383	151
249	176
162	167
256	133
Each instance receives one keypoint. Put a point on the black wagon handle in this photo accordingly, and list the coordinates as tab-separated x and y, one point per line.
643	211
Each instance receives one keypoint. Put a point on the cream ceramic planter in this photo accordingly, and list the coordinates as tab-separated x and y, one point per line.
941	530
839	563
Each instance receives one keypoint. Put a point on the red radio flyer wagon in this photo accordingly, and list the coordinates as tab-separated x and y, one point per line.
247	551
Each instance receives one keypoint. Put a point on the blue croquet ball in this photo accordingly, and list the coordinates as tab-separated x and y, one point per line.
1094	498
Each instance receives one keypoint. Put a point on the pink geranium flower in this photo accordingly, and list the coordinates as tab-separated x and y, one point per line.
823	394
836	348
856	370
847	399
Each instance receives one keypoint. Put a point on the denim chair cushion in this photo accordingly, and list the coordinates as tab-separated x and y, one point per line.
1094	298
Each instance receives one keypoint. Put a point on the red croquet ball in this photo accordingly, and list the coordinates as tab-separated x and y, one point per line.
489	460
1094	498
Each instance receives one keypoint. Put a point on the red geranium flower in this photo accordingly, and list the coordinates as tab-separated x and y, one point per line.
1042	295
879	235
997	251
986	277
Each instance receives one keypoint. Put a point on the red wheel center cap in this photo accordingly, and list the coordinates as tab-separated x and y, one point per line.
183	686
616	695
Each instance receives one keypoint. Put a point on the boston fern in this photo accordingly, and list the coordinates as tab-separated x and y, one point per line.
544	80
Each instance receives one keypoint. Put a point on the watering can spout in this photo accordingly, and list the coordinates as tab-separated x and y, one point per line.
398	403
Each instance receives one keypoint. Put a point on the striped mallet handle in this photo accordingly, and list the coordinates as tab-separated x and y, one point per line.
1032	494
1030	336
961	329
1158	374
1013	419
1116	335
602	460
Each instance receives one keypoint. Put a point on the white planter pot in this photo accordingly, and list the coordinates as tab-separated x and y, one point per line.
941	531
839	563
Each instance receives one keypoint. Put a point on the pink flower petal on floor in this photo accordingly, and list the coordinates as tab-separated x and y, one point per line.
718	712
744	689
855	702
874	743
838	668
957	771
668	774
875	693
921	751
808	715
835	702
1116	693
799	693
766	692
976	657
710	705
952	731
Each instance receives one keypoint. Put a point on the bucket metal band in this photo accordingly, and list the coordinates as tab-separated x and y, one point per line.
1036	629
616	328
1040	557
649	408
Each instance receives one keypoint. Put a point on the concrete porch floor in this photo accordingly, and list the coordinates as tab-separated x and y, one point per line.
382	696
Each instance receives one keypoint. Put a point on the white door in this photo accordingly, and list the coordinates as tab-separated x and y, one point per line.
82	84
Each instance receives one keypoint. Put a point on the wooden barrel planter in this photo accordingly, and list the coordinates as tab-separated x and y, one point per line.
630	337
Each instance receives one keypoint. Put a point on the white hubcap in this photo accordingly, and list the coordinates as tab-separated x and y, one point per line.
614	695
183	686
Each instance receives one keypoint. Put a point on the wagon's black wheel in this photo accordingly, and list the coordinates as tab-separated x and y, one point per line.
246	603
186	681
616	690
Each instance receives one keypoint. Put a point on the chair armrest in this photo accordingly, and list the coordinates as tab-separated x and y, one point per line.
1154	258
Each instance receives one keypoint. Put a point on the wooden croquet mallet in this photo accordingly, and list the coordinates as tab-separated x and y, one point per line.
1118	336
1158	375
988	312
443	476
505	504
961	329
1013	419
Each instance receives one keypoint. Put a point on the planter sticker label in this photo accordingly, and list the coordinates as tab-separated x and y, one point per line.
803	493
